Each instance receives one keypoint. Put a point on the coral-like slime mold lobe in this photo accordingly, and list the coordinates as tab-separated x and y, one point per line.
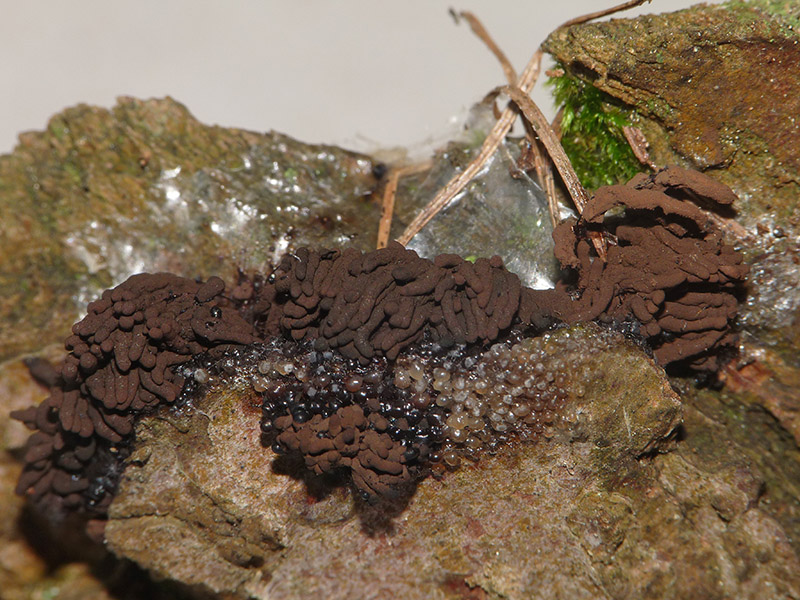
667	266
120	365
383	364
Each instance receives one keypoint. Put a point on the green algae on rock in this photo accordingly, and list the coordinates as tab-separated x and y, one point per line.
102	194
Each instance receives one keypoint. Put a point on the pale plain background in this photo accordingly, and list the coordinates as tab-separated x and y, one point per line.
363	74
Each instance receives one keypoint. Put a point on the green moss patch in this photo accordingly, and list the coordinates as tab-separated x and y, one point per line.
592	136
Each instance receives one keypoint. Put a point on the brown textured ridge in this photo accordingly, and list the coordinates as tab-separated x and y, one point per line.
667	271
349	438
120	364
377	304
667	266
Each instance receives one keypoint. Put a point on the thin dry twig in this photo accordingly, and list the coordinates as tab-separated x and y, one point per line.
490	144
602	13
389	194
524	84
542	127
390	191
549	184
479	30
638	143
549	180
543	169
551	143
532	157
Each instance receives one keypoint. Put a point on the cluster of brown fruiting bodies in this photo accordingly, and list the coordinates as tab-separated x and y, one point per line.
383	363
120	365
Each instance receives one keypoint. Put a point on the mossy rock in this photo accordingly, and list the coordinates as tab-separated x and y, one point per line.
712	87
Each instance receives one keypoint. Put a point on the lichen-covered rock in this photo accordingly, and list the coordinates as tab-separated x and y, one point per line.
713	87
102	194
